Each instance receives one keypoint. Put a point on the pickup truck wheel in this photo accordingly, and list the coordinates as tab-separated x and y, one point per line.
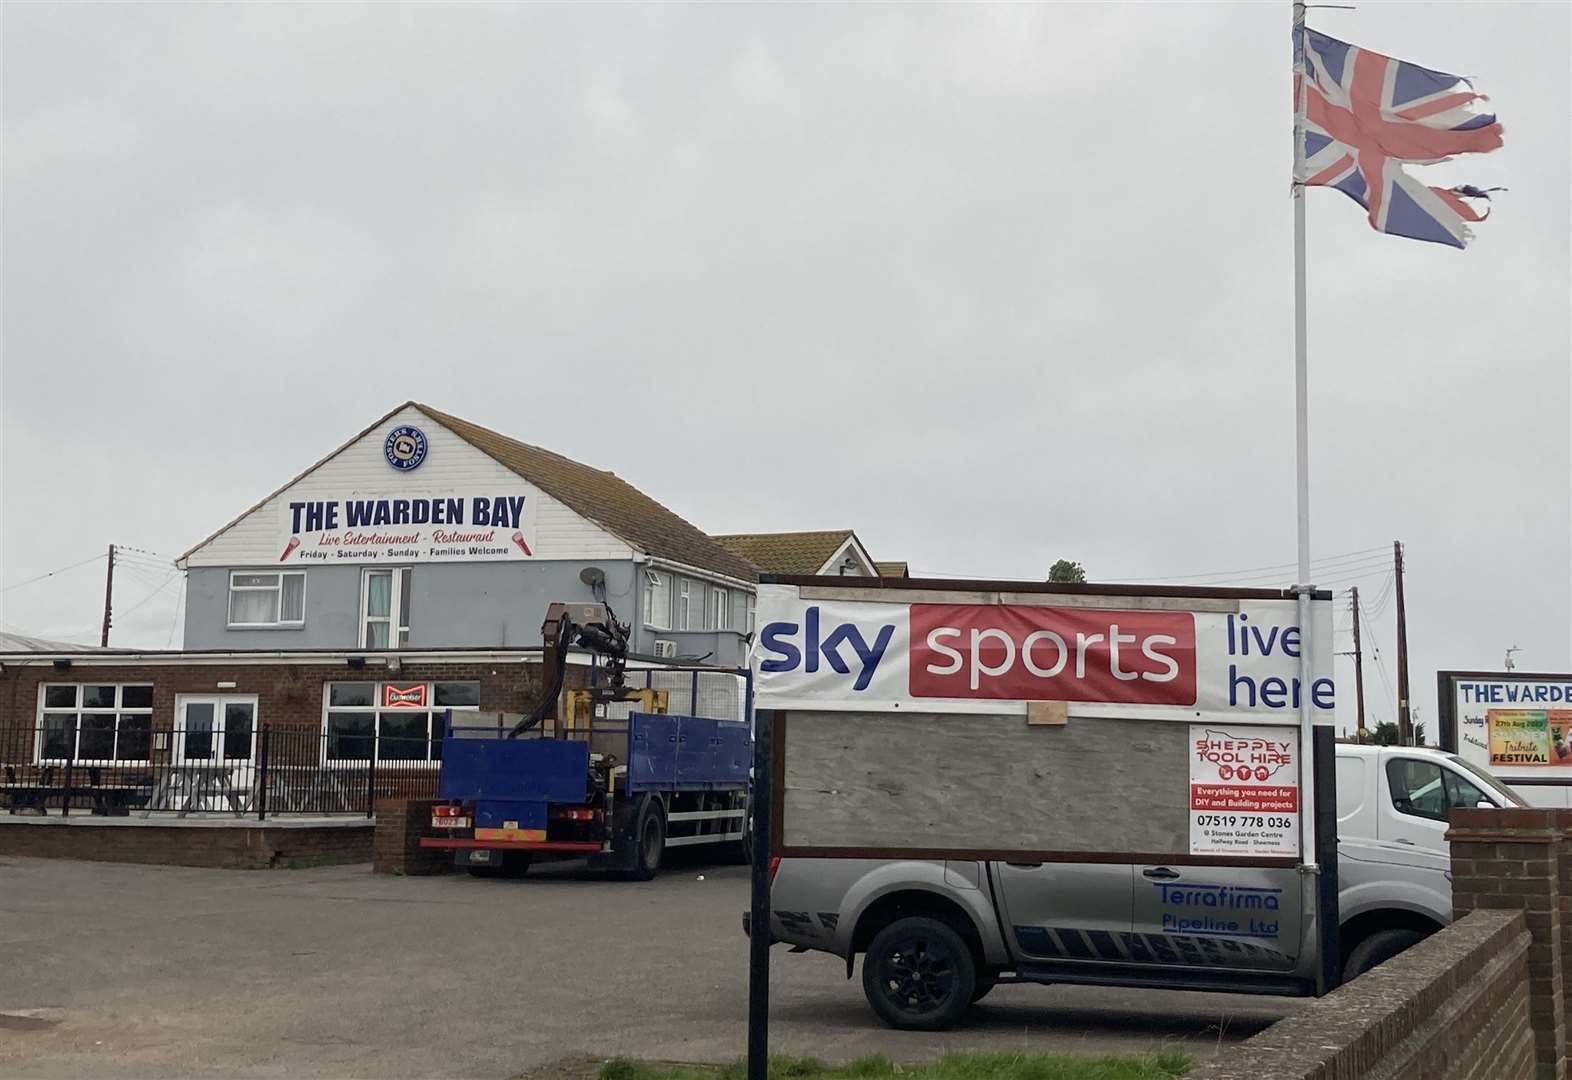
651	843
919	974
1378	948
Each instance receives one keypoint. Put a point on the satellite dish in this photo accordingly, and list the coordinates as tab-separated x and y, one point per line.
593	576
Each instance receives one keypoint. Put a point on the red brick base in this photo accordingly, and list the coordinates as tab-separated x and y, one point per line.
396	849
239	845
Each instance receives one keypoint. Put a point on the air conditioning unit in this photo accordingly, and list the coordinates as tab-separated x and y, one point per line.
665	648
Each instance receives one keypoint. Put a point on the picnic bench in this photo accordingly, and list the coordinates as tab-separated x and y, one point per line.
108	797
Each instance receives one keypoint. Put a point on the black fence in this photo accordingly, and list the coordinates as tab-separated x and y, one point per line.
82	764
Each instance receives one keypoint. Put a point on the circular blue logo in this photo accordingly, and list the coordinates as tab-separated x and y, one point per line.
405	448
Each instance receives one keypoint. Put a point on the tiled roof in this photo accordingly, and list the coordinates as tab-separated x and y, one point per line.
789	552
602	497
893	569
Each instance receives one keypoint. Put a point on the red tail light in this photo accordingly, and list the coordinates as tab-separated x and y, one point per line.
775	865
559	813
447	811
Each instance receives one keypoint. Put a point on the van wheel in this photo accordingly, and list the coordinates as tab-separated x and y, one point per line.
919	974
650	842
1378	948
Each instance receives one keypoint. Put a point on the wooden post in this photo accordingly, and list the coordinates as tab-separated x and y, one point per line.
1405	727
1359	670
109	596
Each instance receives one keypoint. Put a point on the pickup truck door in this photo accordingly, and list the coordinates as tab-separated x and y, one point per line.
1065	911
1239	917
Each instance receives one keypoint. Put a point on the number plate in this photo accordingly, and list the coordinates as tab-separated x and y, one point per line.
449	822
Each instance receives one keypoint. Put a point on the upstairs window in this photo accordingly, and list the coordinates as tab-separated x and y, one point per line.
720	609
657	600
682	616
267	598
385	604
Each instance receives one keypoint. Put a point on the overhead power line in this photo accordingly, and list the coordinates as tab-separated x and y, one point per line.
52	573
1362	555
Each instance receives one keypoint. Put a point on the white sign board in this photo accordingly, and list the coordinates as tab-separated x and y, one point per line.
1244	790
1516	727
1135	660
432	526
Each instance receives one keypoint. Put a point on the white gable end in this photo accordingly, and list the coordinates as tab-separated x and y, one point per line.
451	470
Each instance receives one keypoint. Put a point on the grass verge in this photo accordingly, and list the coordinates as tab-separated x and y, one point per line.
1164	1065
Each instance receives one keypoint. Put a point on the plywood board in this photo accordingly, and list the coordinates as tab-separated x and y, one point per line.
983	783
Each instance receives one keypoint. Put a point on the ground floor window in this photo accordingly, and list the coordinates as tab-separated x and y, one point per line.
94	722
394	721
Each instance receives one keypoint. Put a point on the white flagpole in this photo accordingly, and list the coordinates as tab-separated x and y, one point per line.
1302	463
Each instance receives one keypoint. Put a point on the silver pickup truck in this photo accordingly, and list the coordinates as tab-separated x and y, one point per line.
937	936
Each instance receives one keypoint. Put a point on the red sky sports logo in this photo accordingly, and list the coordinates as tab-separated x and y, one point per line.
1052	654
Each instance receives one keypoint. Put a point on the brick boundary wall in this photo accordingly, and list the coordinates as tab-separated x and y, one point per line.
253	846
396	848
1484	999
1454	1007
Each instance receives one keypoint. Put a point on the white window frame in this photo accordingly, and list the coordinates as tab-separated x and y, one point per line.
432	711
277	588
718	615
117	711
653	617
753	612
397	618
683	616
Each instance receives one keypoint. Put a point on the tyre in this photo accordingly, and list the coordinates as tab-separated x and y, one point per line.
514	864
984	984
1378	948
919	974
649	840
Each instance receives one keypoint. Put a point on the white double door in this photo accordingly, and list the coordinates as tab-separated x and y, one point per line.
218	730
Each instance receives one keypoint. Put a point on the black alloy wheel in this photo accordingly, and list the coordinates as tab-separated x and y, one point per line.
919	974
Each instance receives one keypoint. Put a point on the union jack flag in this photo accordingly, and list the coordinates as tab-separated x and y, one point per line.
1366	115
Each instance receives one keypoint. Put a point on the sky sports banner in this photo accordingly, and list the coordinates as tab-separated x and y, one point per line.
446	527
964	657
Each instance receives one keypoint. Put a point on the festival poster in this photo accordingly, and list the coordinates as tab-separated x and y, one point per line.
1521	738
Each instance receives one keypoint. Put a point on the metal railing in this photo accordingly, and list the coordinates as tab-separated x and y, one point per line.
63	768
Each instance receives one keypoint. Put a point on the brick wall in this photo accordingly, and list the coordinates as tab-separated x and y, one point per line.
250	846
1454	1007
1484	999
396	848
1519	860
289	694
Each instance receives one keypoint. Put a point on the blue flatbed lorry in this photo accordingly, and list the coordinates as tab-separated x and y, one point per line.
620	790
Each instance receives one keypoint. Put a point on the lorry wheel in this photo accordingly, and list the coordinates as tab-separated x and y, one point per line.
919	974
651	844
1378	948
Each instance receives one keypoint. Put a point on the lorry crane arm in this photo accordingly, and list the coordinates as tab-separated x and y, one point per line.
589	626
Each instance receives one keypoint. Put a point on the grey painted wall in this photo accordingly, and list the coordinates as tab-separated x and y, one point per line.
485	604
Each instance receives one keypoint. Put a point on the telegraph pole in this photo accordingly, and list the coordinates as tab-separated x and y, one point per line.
109	597
1359	669
1405	727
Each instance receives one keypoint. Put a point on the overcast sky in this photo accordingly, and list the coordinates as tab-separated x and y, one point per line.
992	285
